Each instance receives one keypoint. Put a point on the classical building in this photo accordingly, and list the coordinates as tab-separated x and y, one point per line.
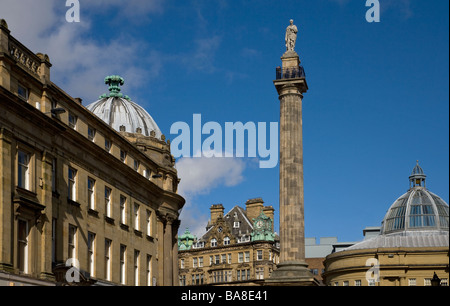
412	247
239	248
87	195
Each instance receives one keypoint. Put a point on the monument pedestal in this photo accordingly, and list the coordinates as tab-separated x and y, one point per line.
292	274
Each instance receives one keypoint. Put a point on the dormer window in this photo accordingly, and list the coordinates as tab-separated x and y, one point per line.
213	242
236	224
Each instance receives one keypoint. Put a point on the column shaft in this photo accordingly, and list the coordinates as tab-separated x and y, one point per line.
291	178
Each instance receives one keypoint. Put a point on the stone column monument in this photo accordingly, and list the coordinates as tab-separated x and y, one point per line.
291	85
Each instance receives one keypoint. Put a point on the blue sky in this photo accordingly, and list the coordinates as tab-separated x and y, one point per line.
378	96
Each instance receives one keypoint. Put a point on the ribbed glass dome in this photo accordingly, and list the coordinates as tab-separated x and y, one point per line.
119	111
417	210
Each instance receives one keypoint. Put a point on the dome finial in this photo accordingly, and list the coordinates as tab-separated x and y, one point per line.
417	177
114	82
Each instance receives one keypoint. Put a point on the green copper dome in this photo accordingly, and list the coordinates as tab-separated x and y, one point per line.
186	240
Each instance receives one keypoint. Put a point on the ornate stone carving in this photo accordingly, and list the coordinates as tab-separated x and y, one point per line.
24	58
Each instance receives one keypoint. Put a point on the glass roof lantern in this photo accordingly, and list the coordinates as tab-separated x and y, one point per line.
417	210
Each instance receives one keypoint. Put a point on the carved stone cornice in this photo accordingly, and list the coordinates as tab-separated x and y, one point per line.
25	58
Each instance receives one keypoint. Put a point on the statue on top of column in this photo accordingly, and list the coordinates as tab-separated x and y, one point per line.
291	36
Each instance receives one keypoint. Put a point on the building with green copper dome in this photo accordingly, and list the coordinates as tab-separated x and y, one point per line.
238	248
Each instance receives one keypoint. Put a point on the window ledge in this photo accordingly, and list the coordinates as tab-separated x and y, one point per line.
74	203
93	212
138	233
109	220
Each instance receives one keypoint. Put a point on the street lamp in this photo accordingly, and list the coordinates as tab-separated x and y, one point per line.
435	281
56	111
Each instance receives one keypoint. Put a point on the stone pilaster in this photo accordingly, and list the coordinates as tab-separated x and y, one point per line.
46	218
6	213
168	266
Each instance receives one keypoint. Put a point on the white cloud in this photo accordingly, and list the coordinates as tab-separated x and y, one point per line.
199	176
79	63
195	220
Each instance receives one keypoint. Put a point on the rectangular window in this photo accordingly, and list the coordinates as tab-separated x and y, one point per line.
136	165
358	283
22	91
224	258
194	262
23	170
260	273
72	184
136	216
412	282
123	257
91	193
91	133
229	276
146	173
247	256
149	223
149	270
136	267
108	145
123	156
240	257
182	263
72	121
123	204
108	259
229	258
91	253
182	280
72	247
259	255
108	202
217	259
22	244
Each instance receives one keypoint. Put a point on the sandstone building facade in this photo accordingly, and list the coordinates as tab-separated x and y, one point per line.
239	248
76	191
